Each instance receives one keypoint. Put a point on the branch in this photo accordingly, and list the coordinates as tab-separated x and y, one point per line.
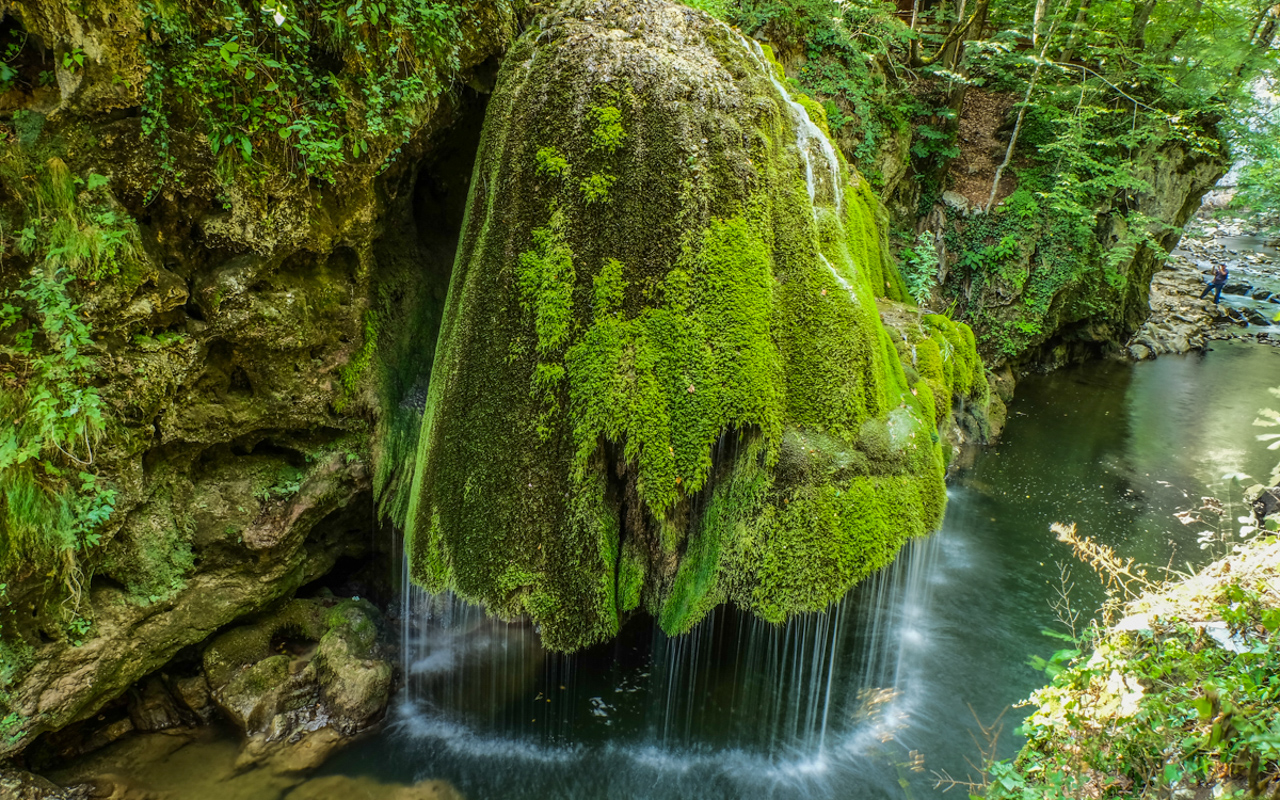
958	31
1119	91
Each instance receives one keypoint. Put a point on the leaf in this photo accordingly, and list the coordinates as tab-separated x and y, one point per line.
1203	707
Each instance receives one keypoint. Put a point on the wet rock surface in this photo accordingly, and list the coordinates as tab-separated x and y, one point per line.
19	785
1181	320
301	680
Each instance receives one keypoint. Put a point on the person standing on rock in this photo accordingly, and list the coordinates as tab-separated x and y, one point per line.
1215	285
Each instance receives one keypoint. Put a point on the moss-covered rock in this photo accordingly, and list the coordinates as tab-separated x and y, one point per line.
298	680
661	377
227	334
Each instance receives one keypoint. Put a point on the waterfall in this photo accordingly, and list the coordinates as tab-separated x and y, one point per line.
823	685
835	678
808	134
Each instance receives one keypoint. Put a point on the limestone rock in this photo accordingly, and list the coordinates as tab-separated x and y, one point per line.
300	680
679	303
19	785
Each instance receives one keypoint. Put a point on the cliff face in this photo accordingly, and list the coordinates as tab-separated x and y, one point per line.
662	378
192	300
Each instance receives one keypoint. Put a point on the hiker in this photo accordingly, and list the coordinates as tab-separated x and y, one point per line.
1215	286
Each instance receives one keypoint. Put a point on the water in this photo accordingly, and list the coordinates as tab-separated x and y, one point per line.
868	699
865	701
904	679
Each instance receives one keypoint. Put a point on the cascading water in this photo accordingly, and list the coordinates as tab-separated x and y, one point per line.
808	134
785	701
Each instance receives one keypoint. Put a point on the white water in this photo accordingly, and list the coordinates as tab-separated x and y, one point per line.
779	701
775	703
808	135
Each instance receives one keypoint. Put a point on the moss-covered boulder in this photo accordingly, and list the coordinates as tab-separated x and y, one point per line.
662	379
299	680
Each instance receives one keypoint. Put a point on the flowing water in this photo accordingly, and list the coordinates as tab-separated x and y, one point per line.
902	678
866	700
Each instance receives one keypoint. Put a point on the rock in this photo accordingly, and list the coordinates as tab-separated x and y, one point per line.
152	707
696	88
1264	501
19	785
222	354
956	201
194	693
300	680
341	787
427	790
1254	317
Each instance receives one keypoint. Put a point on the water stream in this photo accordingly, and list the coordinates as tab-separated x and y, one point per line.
866	700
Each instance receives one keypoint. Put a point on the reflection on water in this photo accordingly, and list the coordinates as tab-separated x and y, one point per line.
869	698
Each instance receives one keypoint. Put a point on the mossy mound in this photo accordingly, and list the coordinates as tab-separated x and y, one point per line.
662	379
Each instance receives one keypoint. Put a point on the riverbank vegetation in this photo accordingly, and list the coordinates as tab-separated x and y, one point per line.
1179	697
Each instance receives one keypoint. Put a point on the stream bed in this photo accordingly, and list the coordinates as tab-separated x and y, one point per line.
907	677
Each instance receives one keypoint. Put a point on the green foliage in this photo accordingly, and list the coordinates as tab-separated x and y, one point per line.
595	187
10	728
288	482
716	8
920	270
53	502
303	88
846	49
552	162
608	133
73	59
1159	709
353	370
546	281
75	223
52	506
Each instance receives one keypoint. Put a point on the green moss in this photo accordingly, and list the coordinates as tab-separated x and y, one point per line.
595	187
353	370
608	132
552	162
675	398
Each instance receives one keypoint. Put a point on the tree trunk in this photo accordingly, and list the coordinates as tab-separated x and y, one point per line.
1077	27
1138	26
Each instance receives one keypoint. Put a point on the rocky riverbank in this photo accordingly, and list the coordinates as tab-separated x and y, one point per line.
1177	700
1182	321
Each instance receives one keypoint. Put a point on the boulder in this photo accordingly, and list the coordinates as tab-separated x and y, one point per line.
19	785
301	680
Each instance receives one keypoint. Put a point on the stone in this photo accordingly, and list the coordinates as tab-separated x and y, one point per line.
427	790
19	785
956	201
152	707
194	693
300	680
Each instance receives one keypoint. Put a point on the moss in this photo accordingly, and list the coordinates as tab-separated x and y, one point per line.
662	399
251	644
595	187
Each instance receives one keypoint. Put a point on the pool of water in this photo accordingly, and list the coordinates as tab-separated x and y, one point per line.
908	676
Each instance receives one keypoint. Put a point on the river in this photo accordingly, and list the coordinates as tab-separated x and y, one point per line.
908	677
